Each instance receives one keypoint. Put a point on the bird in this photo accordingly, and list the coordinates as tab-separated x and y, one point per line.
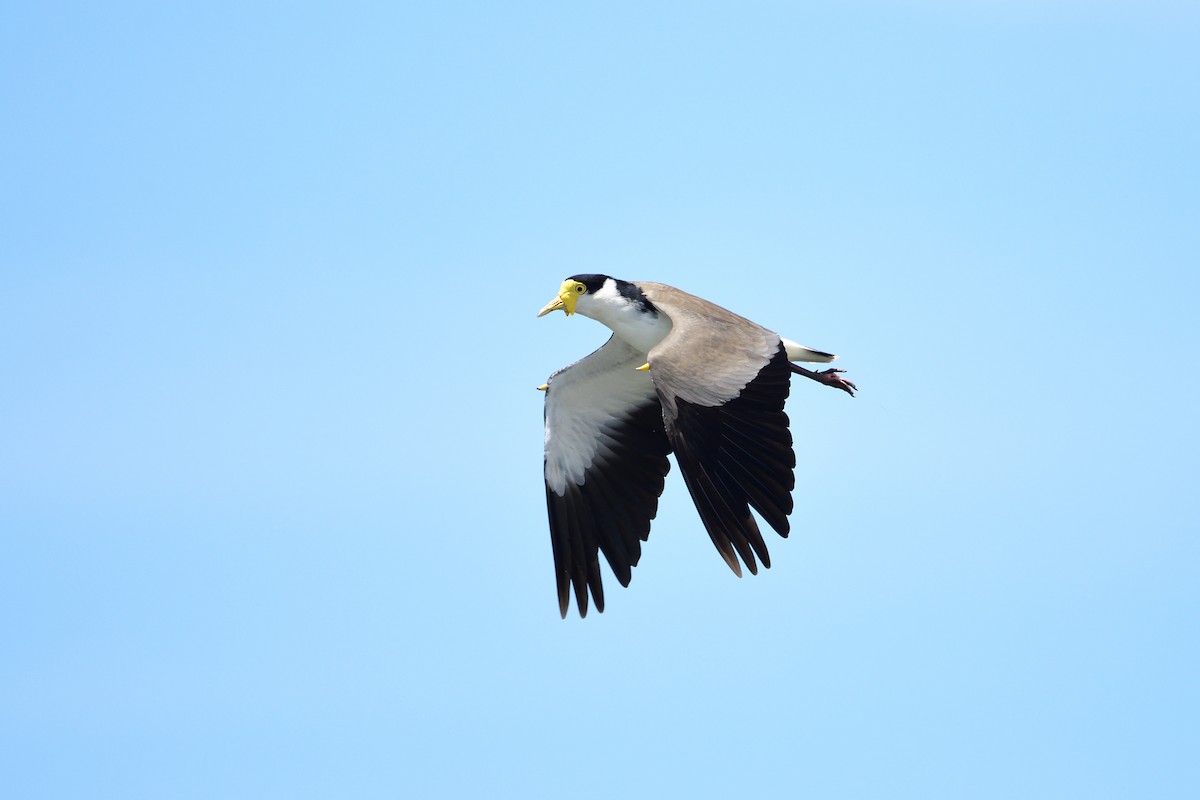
679	375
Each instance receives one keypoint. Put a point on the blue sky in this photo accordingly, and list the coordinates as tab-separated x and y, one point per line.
271	509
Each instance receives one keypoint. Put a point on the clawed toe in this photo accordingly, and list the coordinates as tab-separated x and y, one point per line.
829	377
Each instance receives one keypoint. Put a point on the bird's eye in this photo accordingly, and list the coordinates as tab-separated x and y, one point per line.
580	288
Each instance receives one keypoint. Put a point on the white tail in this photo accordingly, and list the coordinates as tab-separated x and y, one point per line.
798	352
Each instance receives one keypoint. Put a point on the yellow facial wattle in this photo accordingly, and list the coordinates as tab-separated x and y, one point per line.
568	293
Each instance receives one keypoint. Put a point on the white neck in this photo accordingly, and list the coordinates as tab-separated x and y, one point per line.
628	321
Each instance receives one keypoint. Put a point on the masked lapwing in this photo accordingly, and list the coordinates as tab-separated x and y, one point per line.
681	375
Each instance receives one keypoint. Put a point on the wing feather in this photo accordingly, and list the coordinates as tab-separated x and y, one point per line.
723	381
605	463
737	455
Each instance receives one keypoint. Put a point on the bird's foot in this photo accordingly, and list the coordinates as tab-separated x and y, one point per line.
829	377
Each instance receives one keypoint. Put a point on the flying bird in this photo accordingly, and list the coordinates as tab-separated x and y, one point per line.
679	374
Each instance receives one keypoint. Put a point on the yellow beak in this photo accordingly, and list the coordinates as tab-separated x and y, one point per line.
565	300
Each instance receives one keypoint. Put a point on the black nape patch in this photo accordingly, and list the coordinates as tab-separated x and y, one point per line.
595	283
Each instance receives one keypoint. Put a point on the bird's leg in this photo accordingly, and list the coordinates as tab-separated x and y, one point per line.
829	377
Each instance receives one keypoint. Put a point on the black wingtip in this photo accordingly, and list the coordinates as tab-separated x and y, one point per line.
731	560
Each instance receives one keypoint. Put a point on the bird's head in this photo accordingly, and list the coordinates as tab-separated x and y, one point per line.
575	290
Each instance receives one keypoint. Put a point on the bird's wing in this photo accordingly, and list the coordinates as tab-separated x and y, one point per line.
722	381
606	458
